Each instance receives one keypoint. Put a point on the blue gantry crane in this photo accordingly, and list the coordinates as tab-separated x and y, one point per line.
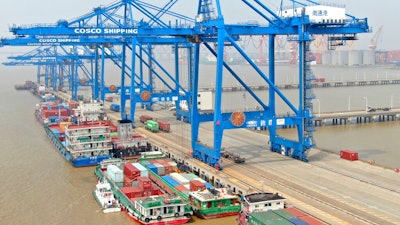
142	23
119	21
299	22
60	66
62	53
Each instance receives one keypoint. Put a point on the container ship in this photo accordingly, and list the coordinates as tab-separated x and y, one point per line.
206	201
25	86
84	135
141	199
270	208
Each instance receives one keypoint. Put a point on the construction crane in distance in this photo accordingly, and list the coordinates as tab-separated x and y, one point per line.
373	45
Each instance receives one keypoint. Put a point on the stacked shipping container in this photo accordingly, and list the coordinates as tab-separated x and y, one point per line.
134	178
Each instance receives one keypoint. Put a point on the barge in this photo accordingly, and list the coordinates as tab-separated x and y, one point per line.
82	135
206	200
141	200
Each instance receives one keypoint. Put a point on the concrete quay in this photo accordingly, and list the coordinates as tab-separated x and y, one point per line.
358	116
324	84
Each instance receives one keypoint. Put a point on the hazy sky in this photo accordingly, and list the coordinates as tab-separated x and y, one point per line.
27	12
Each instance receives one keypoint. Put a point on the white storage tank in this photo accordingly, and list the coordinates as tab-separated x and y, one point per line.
327	58
355	58
342	58
368	57
335	57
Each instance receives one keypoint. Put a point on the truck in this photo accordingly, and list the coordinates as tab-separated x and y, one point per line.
109	98
232	156
144	118
320	79
115	107
164	125
152	126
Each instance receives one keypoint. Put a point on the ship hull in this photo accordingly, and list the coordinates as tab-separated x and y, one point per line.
80	162
203	215
217	210
128	206
104	209
166	222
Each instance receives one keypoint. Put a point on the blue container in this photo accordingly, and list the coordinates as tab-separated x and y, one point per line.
56	132
115	107
170	180
152	168
208	185
298	221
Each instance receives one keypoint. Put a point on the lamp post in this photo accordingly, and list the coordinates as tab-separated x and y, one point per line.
319	107
366	104
391	101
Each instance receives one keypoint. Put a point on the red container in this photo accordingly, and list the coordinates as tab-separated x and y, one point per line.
303	216
318	57
132	192
295	212
130	171
147	193
109	98
73	104
349	155
181	188
164	126
168	168
393	56
54	112
127	182
144	183
144	118
156	191
196	185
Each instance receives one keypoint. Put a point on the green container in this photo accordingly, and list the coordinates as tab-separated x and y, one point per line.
285	214
144	162
189	176
267	218
152	125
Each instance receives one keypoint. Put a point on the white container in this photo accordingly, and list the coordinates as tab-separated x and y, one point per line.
143	171
115	173
160	169
179	178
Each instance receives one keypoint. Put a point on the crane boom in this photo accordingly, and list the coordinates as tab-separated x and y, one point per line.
374	40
